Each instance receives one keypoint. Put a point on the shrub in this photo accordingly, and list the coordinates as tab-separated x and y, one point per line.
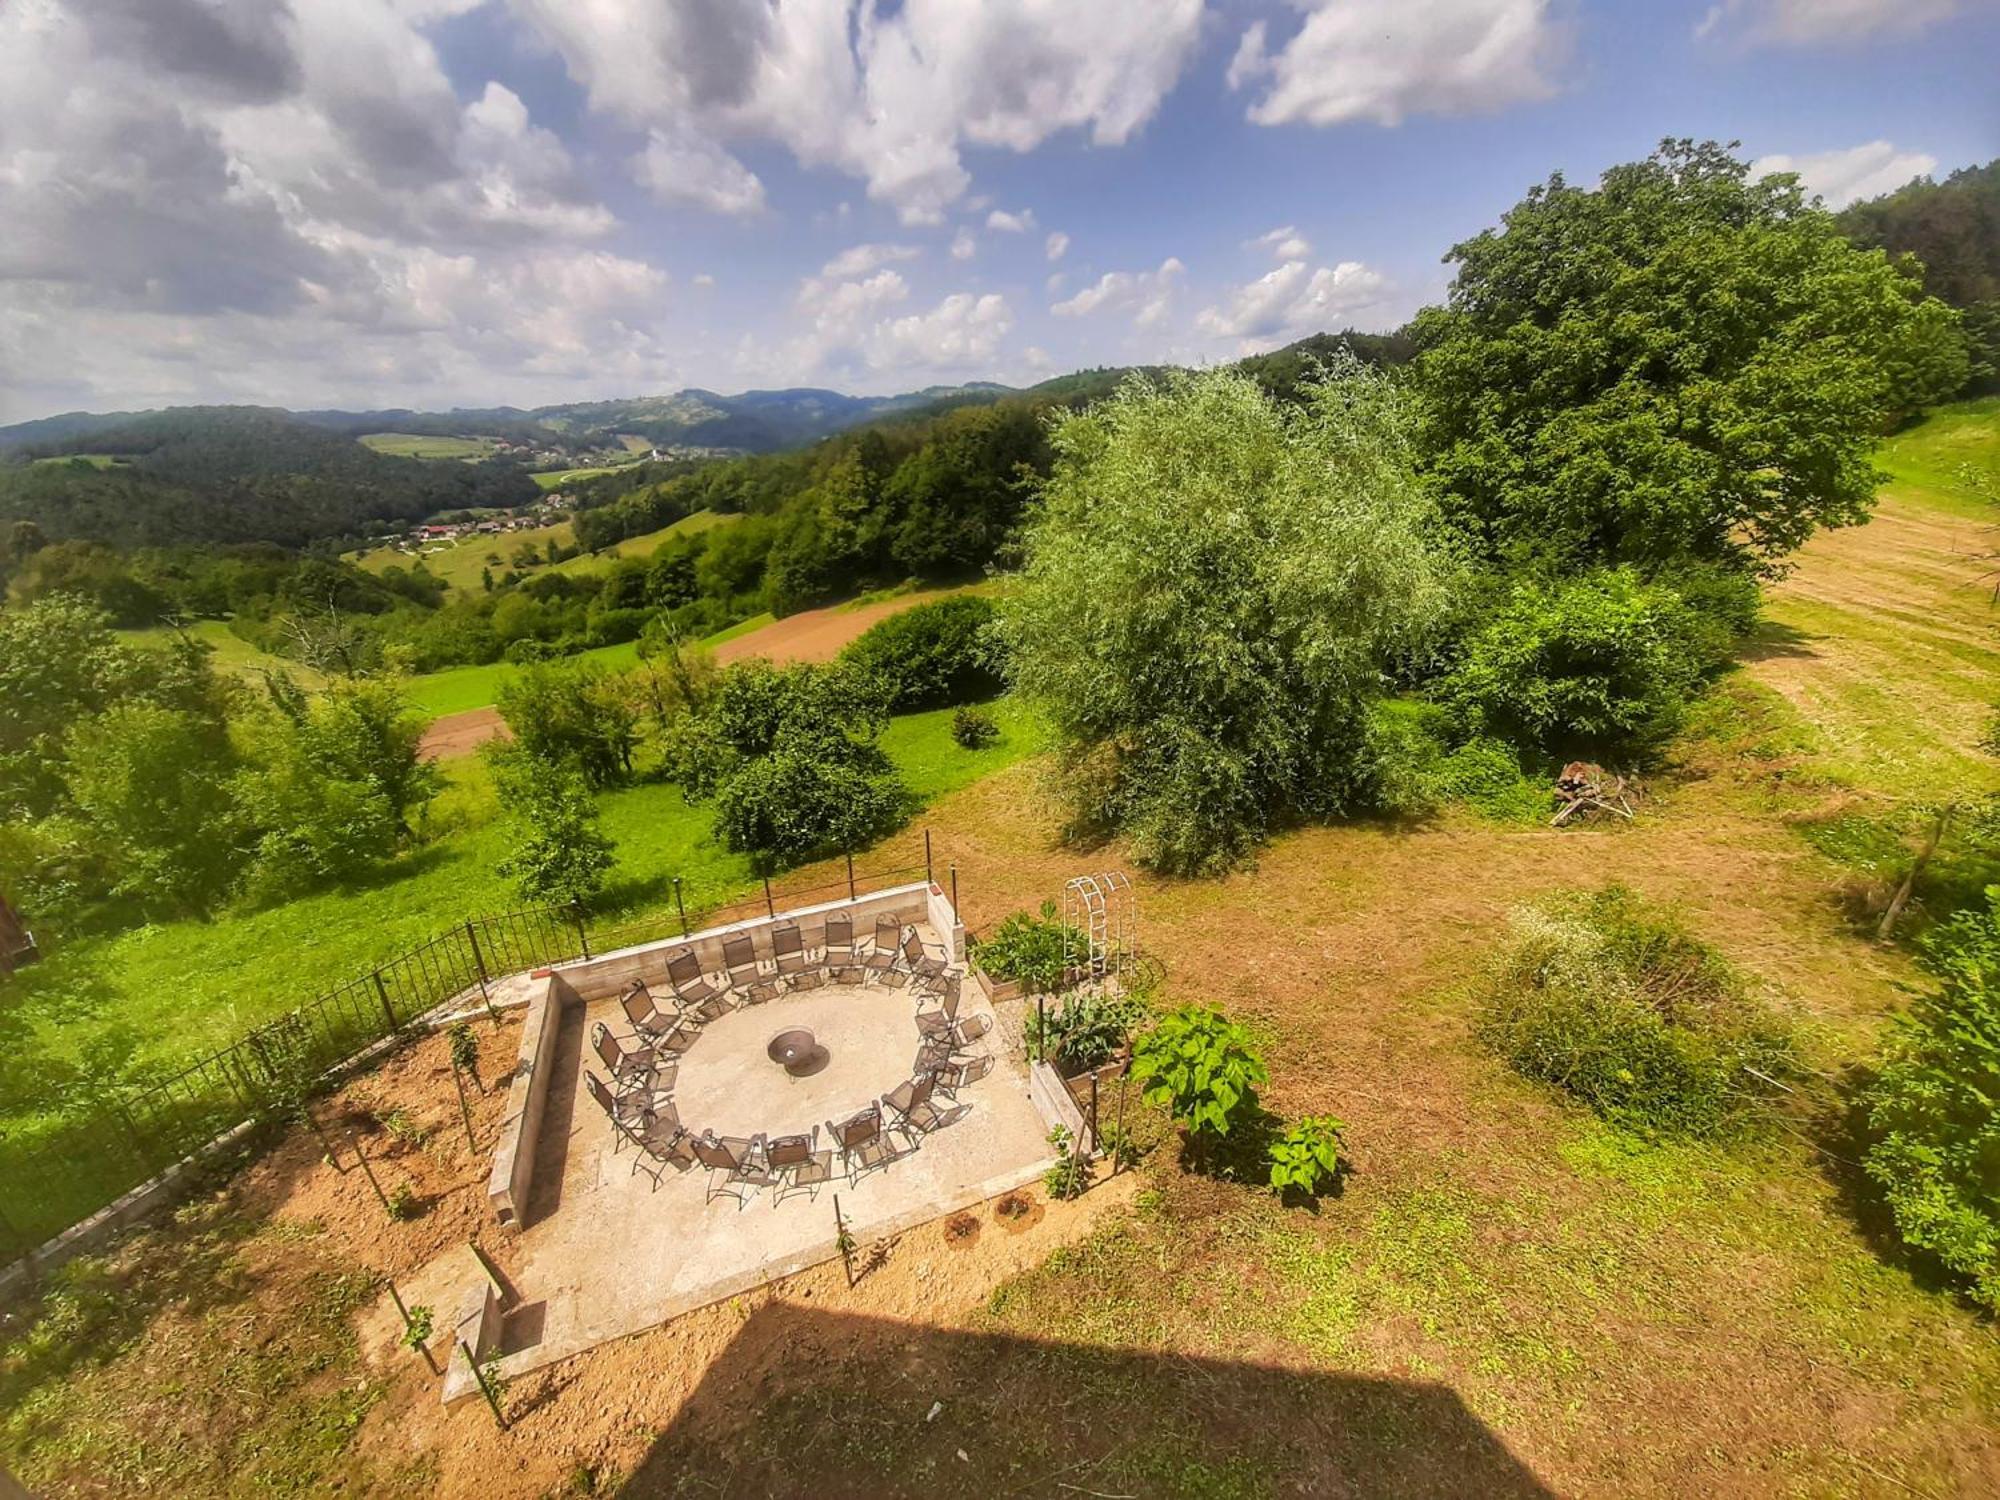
1307	1157
932	656
1937	1152
808	799
1071	1173
559	853
1201	1068
974	728
572	712
1083	1031
1410	767
1599	665
1027	949
1623	1009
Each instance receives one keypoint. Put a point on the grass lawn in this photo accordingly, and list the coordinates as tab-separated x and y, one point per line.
645	544
555	479
231	652
417	445
460	561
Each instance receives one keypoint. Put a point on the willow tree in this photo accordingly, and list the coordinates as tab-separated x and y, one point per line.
1212	585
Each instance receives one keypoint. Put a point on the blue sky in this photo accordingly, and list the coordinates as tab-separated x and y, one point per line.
438	202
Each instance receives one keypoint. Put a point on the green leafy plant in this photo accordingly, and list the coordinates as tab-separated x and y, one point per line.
559	852
1620	1006
933	655
1027	949
1119	1146
1307	1157
404	1204
1083	1031
1202	1069
1070	1174
1935	1107
465	1048
417	1332
973	728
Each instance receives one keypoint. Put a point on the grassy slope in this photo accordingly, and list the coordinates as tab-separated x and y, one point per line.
460	562
232	652
157	993
644	544
415	445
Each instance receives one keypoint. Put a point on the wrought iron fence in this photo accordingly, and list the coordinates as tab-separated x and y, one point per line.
105	1142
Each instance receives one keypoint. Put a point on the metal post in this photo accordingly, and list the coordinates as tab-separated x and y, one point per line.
680	906
850	875
478	960
954	892
369	1172
927	858
1041	1027
1093	1110
582	938
770	907
464	1109
388	1010
843	1242
484	1389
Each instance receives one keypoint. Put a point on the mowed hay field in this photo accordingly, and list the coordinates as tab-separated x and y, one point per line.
1507	1298
418	445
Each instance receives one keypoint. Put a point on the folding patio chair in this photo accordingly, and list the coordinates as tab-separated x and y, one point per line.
862	1145
746	975
837	948
953	1076
880	960
632	1069
692	989
624	1113
799	1165
942	1022
911	1100
788	953
920	966
732	1165
664	1033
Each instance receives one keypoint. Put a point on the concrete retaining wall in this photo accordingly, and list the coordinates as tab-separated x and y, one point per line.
1052	1098
521	1127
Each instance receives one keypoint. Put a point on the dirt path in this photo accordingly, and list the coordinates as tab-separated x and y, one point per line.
812	635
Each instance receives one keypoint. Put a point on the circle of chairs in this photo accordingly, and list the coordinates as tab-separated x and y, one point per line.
637	1091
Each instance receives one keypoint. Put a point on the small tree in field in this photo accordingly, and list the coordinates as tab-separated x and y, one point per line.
1213	584
559	853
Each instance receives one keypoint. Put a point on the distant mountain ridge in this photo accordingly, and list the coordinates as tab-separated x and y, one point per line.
760	421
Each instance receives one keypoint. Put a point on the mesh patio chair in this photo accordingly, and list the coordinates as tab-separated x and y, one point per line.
919	965
624	1114
911	1100
799	1164
632	1069
862	1145
942	1022
788	953
644	1012
810	978
746	974
971	1029
953	1076
879	962
733	1165
837	948
697	997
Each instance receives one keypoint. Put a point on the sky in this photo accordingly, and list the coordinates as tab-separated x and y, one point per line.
428	203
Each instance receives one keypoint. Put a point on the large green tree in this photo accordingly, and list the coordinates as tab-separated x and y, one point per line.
1213	584
1680	363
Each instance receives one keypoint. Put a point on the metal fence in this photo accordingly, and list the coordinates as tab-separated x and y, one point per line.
101	1143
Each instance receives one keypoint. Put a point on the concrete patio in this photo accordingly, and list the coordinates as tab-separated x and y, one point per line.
604	1250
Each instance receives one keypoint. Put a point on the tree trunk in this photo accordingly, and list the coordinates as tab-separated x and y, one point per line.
1896	904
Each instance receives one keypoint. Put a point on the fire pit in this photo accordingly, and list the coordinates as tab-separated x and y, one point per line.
797	1051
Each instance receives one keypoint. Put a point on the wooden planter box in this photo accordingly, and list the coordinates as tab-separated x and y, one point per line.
996	990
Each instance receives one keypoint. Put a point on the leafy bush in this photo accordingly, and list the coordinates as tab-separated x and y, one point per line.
1933	1108
559	852
1410	768
932	656
1083	1031
1071	1173
974	728
1306	1158
1201	1068
1599	665
807	799
1027	949
1623	1009
572	712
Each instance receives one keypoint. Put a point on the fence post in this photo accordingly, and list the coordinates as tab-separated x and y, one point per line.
1041	1027
680	906
582	938
928	880
1093	1110
388	1010
850	875
485	1390
478	958
770	907
954	893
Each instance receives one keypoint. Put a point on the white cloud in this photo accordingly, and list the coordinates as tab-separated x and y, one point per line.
1056	246
1147	295
1294	300
859	260
1008	223
1383	60
1844	177
678	166
889	96
961	334
1806	23
702	280
1056	282
1285	244
963	245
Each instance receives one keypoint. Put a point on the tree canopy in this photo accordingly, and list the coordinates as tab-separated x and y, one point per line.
1680	363
1213	583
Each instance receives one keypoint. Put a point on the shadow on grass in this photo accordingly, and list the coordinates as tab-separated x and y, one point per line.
808	1402
1770	640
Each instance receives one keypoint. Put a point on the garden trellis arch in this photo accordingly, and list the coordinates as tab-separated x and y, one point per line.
1100	922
